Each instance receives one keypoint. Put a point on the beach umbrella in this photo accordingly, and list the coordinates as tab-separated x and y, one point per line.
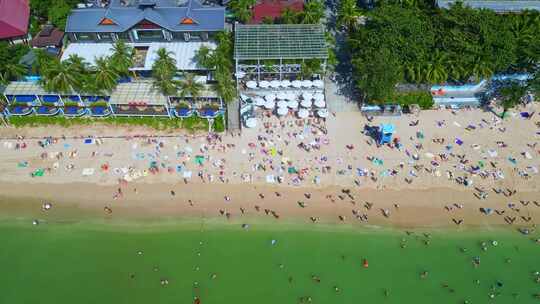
318	83
270	97
251	84
285	83
251	122
306	103
307	83
259	101
240	75
269	104
281	111
296	83
303	113
318	96
320	103
290	96
275	83
282	104
264	84
281	95
322	113
293	104
307	96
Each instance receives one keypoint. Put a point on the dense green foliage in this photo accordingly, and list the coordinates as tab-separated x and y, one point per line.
55	11
10	69
414	43
192	123
220	61
423	99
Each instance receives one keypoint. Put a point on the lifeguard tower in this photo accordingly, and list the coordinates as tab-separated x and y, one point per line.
385	133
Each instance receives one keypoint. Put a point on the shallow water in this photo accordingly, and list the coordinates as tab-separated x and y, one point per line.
92	262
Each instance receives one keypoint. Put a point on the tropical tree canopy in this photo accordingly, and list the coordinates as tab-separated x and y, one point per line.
62	77
122	58
190	87
105	76
429	45
511	96
241	9
163	72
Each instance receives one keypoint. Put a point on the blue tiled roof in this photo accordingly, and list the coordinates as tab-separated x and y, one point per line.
164	14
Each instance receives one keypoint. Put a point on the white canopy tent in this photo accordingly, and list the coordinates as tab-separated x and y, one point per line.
307	96
297	83
275	83
270	97
259	101
322	113
293	104
282	104
264	84
285	83
307	83
282	111
281	95
251	84
318	83
305	103
318	96
303	113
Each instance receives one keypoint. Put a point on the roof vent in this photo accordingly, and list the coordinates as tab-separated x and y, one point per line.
106	21
188	21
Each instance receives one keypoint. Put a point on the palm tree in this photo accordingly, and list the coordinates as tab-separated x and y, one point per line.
12	71
348	14
163	71
481	68
288	16
122	58
61	77
242	9
77	64
225	87
105	74
205	58
190	87
511	96
313	12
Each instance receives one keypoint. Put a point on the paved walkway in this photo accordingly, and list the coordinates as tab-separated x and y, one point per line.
233	116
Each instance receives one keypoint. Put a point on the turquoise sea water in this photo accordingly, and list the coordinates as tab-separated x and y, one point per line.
126	262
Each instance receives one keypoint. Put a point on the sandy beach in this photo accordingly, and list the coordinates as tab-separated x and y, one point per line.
444	167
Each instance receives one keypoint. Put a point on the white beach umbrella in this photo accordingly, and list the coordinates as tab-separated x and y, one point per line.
290	96
318	83
275	83
259	101
240	75
251	122
281	95
307	83
251	84
293	104
320	103
264	84
307	96
270	97
318	96
285	83
281	111
303	113
306	103
296	83
282	104
322	113
269	104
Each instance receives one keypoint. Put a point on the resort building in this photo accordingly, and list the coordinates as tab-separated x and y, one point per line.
273	9
14	18
499	6
180	26
280	68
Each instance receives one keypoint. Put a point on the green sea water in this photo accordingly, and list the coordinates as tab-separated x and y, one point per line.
125	262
